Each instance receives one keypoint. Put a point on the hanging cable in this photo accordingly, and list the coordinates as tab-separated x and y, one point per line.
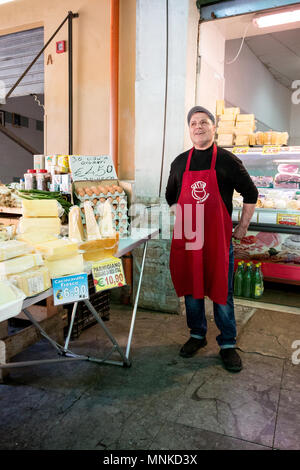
37	100
242	43
166	97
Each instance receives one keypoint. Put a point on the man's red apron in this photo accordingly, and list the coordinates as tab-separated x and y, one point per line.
202	271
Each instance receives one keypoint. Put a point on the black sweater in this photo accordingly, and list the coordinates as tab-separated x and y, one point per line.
231	175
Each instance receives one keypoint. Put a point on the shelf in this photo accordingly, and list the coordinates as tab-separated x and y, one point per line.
11	210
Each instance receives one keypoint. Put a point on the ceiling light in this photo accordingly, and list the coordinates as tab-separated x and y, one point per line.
279	18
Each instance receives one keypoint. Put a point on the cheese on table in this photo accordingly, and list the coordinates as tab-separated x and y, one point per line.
243	130
7	293
95	250
225	139
65	266
40	208
242	140
106	225
32	282
49	225
20	264
76	231
92	228
33	238
57	249
12	248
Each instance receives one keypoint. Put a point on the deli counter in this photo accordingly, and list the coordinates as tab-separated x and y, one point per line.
273	237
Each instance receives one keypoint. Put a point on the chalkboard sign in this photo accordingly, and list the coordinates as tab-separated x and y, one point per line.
92	167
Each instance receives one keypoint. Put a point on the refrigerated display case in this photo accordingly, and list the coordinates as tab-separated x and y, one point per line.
273	237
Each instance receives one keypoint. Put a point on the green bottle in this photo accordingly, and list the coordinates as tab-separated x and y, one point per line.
247	281
258	283
238	280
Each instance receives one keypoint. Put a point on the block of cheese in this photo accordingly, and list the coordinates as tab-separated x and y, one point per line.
40	208
50	225
65	266
12	248
242	140
225	139
227	117
7	293
246	117
252	139
32	282
243	130
33	238
92	229
229	123
225	130
76	231
95	250
220	106
20	264
106	224
57	249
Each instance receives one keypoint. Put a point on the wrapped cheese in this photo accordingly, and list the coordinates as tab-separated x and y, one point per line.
246	117
76	232
225	139
20	264
95	250
92	229
40	208
106	225
32	282
33	238
49	225
65	266
12	248
57	249
242	140
7	293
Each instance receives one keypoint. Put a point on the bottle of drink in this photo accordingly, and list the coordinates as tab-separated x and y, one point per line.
238	280
247	281
258	283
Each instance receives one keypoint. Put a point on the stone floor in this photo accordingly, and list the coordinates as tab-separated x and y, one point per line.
162	402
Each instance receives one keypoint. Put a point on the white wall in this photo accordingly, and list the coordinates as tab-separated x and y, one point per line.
14	160
150	88
250	86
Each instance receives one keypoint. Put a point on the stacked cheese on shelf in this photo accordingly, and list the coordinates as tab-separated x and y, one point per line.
40	226
101	239
226	125
244	129
22	267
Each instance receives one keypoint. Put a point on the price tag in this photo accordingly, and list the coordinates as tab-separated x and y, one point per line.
92	167
271	149
70	289
108	274
288	219
240	150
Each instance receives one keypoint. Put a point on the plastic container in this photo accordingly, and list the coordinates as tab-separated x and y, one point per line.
30	179
43	180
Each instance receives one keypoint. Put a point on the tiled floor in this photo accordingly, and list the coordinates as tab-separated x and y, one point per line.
162	402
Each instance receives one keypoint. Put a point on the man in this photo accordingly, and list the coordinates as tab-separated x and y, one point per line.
201	183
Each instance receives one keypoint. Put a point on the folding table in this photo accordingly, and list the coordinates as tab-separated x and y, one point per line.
137	237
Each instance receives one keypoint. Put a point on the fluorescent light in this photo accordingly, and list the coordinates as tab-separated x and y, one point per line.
275	19
5	1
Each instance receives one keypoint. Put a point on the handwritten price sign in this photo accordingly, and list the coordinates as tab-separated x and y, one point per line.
240	150
270	150
92	167
108	274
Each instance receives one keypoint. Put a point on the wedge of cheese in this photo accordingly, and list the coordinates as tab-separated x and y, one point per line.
92	229
32	282
246	117
95	250
57	249
65	266
40	208
20	264
242	140
12	248
76	232
106	224
225	139
46	225
33	238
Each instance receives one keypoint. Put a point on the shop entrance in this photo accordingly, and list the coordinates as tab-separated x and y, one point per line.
22	113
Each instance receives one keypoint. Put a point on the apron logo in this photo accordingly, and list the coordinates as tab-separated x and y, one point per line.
198	191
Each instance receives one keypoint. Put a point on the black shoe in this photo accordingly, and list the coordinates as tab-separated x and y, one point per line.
231	359
191	346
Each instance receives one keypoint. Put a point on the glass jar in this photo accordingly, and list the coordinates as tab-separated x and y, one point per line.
30	179
43	179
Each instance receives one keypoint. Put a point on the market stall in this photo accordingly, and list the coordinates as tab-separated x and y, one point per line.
58	243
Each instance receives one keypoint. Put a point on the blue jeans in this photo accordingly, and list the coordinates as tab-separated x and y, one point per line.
224	314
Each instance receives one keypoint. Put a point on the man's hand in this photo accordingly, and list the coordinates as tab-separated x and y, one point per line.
239	232
242	227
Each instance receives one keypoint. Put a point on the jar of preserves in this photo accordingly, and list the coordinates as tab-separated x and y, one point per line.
30	179
43	179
